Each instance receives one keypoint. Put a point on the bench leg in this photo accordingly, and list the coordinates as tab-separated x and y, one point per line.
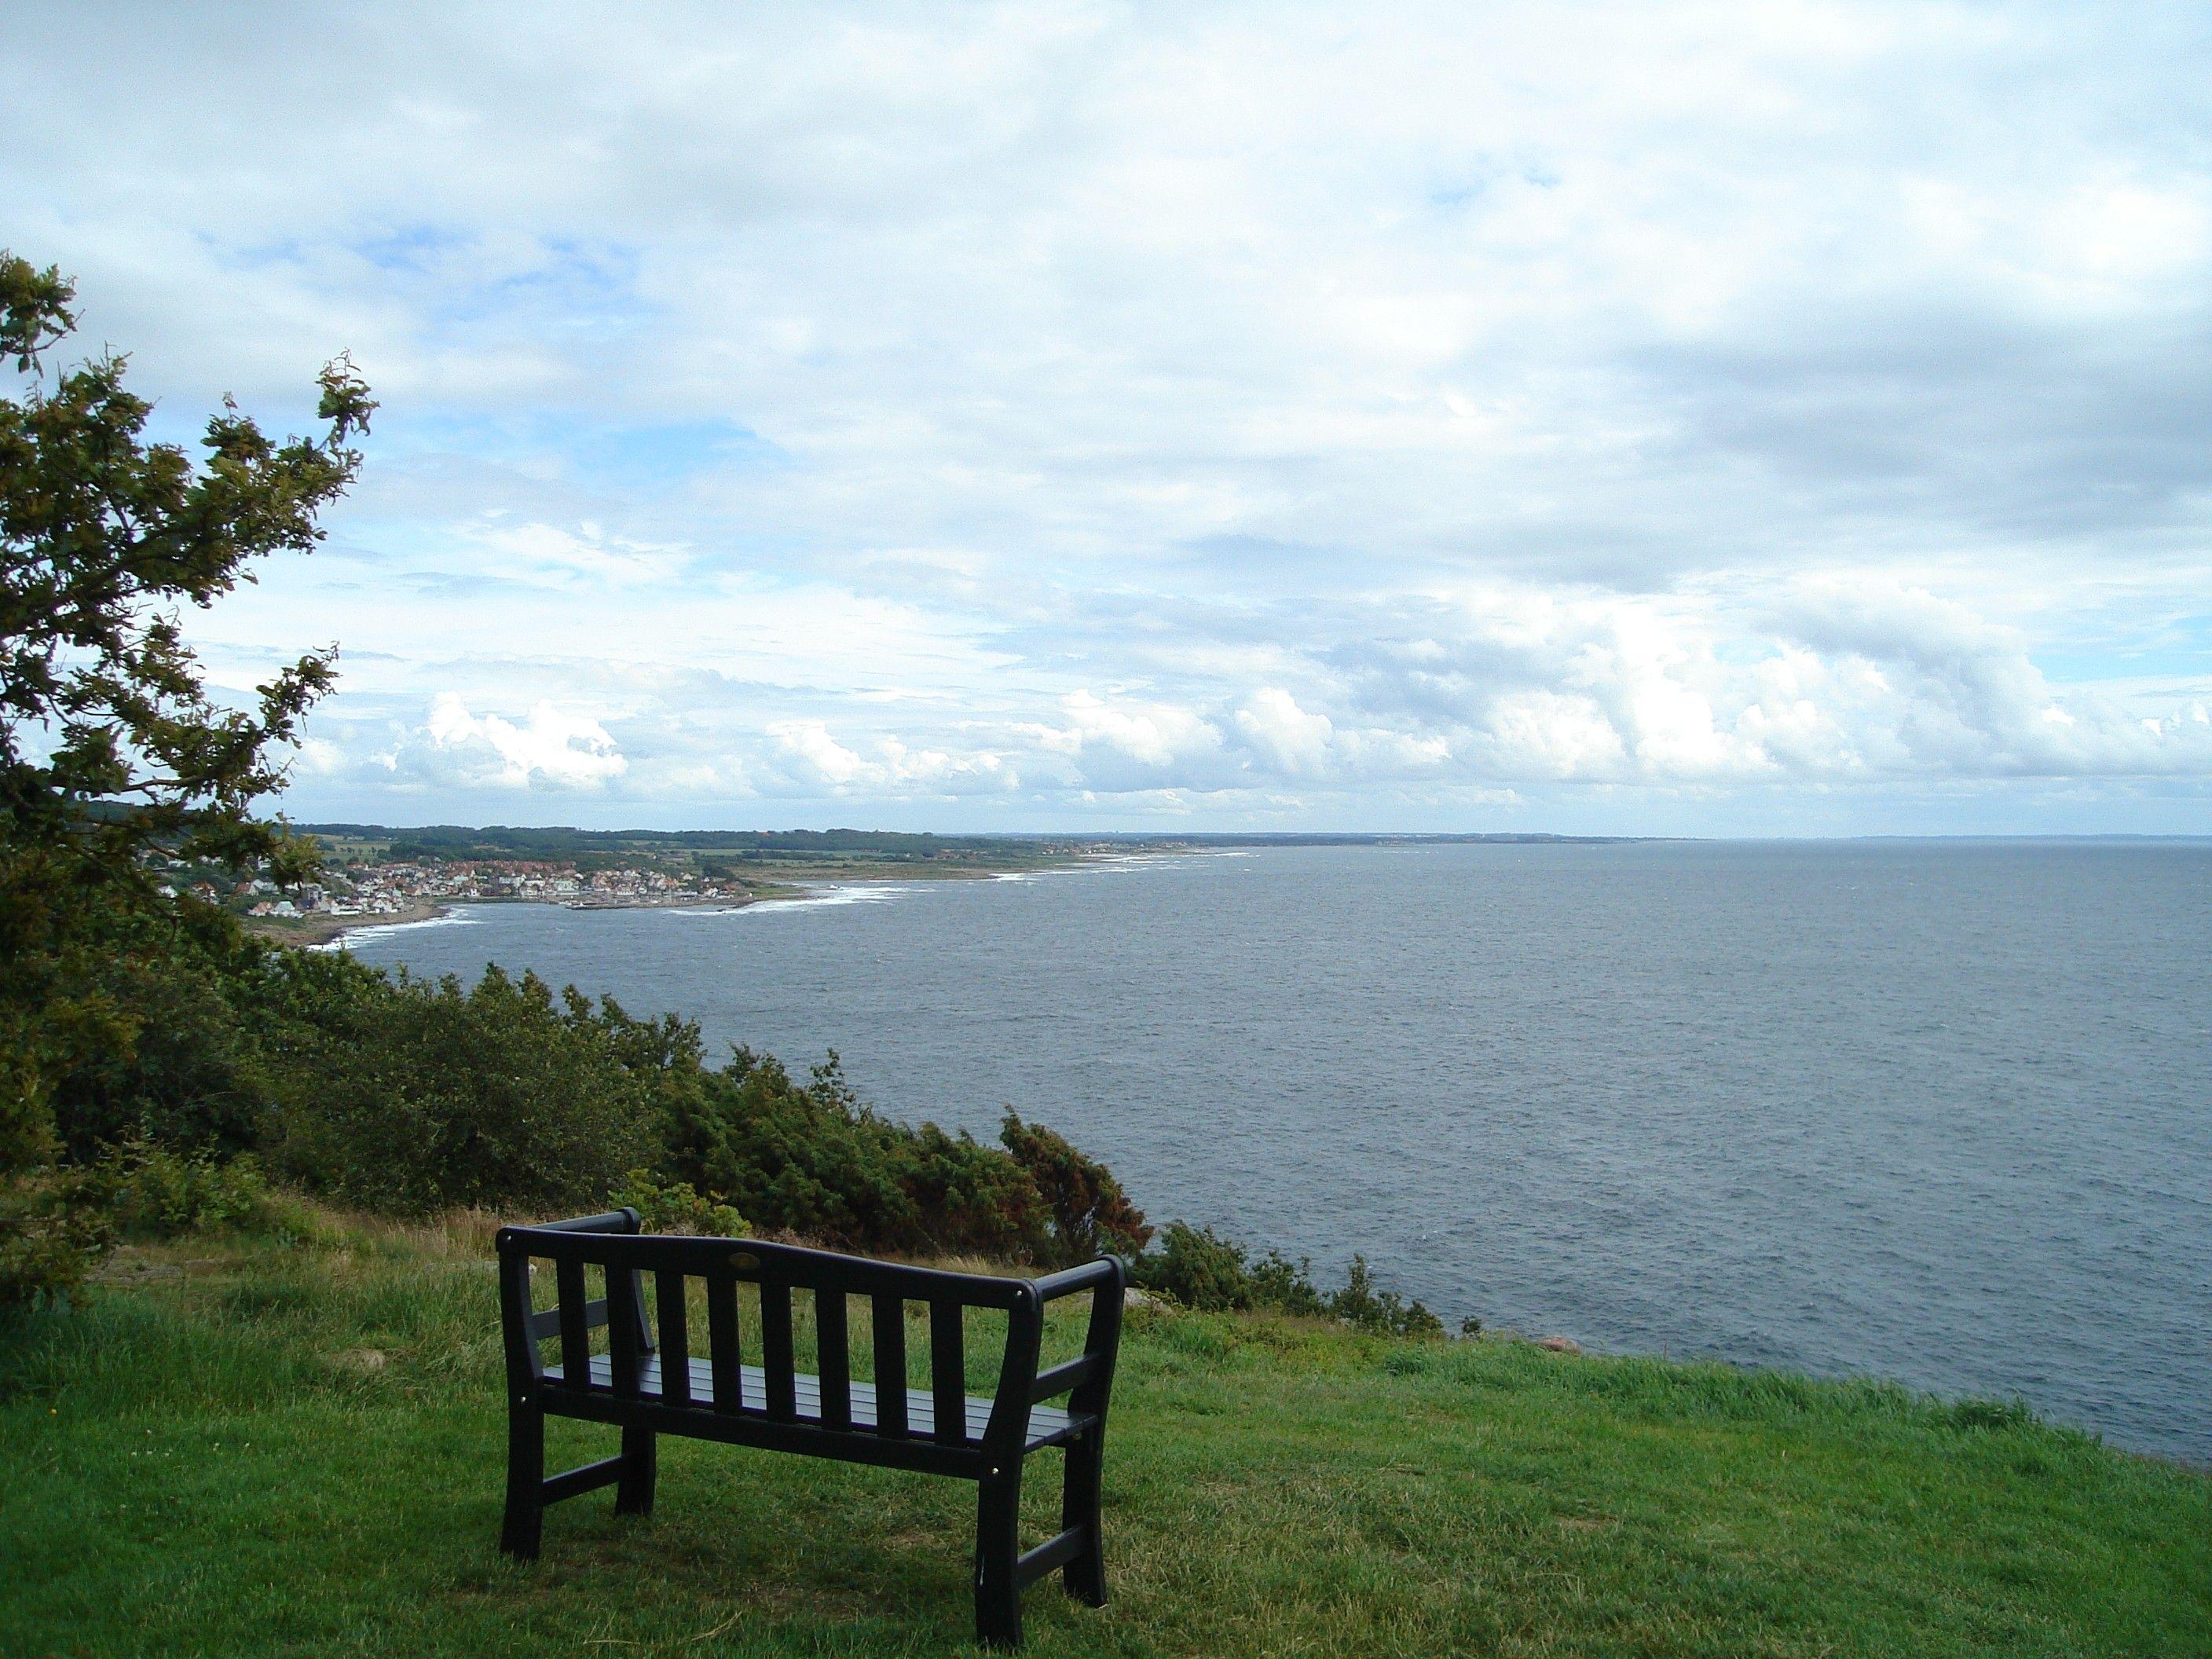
525	1483
634	1493
998	1544
1084	1577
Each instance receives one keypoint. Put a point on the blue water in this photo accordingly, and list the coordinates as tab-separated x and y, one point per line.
1937	1111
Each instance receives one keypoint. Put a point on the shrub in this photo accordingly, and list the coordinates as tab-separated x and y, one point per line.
409	1095
160	1194
1201	1269
54	1230
1285	1286
1384	1311
677	1207
190	1074
1197	1267
1085	1208
113	747
810	1159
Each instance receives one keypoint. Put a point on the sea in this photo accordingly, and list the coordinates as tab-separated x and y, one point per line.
1936	1111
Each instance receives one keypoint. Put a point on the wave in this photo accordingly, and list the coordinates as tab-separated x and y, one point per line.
1102	864
375	929
815	899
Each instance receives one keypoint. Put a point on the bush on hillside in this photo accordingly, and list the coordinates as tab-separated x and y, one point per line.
1087	1211
674	1206
114	750
1199	1268
54	1229
155	1192
1359	1302
410	1095
191	1077
809	1159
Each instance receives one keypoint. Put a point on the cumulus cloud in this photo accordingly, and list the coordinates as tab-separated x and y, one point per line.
811	761
548	749
1289	739
1121	742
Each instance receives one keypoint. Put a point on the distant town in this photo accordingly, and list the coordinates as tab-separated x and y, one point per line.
391	889
374	874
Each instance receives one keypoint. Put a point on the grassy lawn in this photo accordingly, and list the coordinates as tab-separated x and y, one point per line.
298	1448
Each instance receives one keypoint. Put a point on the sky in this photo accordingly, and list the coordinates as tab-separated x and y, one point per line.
1773	419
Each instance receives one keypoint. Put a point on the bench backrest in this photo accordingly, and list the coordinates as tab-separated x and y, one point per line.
613	1243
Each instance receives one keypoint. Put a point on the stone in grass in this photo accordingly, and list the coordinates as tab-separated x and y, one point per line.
1560	1344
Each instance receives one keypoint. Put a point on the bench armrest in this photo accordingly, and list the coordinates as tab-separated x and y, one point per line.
1059	1379
1090	1373
614	1221
1089	1276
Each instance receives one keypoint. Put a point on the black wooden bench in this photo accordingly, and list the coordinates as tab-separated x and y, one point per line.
648	1383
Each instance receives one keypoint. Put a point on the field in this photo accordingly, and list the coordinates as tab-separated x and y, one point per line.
750	855
293	1444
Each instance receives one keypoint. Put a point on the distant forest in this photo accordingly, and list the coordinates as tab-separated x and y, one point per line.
563	844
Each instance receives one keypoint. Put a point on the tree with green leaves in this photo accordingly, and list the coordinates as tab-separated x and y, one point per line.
110	745
1089	1212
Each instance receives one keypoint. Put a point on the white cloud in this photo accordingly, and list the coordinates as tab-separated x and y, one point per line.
815	762
550	555
808	748
1542	733
1120	743
1224	414
1286	736
549	750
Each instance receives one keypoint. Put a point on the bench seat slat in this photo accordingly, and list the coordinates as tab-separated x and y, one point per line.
1049	1426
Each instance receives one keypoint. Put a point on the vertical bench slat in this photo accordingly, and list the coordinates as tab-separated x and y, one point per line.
833	1360
775	1351
948	1380
622	1345
575	1324
722	1343
887	1313
675	1338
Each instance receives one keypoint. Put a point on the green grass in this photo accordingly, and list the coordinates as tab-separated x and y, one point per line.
297	1449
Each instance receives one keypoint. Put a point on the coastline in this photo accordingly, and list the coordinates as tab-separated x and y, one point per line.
325	932
329	933
313	931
